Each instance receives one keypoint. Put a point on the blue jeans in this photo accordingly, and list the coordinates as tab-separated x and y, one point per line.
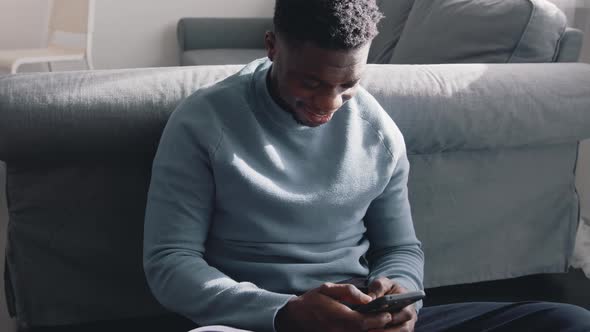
496	317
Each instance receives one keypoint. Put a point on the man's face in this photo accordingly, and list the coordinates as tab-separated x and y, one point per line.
310	82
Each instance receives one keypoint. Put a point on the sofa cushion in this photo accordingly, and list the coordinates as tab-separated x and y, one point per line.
390	29
480	31
221	56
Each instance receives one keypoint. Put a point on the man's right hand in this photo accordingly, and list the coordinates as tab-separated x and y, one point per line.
320	309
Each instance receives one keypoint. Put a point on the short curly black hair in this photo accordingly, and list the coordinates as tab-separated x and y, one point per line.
331	24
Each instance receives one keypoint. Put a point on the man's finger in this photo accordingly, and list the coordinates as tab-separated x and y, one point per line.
344	293
402	316
344	319
406	327
375	321
379	287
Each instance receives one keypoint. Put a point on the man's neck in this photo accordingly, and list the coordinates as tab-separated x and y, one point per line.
273	90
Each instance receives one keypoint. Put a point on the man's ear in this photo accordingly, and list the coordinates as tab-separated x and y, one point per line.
270	43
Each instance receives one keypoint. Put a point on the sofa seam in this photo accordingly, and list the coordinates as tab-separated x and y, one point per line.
181	35
557	50
577	210
524	32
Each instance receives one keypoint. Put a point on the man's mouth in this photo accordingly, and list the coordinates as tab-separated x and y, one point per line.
311	117
315	118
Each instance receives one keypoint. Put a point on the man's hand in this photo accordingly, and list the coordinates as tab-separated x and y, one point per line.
320	310
402	321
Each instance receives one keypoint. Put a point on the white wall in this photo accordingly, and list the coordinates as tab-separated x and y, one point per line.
23	24
27	17
142	33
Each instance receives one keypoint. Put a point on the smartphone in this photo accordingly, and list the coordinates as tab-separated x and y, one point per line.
389	303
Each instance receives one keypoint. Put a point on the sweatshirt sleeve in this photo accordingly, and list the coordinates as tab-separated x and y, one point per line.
178	216
394	250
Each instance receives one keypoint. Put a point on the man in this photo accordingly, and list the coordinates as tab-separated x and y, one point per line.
271	187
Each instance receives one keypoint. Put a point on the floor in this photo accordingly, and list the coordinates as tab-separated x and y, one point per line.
572	287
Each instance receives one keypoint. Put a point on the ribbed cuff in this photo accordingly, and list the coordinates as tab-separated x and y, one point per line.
410	286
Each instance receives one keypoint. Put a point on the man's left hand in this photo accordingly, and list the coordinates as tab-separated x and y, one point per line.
403	320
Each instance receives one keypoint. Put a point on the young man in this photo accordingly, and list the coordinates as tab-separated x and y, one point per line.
274	185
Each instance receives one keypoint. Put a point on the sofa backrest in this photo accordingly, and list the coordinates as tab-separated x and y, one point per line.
473	31
390	29
480	31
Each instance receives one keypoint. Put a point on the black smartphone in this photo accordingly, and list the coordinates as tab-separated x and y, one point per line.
389	303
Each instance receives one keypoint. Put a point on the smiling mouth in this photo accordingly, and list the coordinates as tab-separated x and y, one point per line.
311	117
314	118
319	113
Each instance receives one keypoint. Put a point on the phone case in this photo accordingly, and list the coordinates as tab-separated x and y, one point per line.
390	303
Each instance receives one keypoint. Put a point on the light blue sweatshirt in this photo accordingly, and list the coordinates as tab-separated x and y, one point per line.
247	208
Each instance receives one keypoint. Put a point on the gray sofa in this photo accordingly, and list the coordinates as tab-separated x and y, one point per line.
412	32
492	148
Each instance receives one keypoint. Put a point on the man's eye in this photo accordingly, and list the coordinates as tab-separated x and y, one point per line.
349	85
310	84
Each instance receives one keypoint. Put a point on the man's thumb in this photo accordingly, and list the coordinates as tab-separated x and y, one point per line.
345	293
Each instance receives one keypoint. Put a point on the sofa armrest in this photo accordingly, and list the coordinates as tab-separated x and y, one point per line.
570	45
224	56
205	33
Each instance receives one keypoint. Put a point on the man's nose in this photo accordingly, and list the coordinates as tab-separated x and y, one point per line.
328	103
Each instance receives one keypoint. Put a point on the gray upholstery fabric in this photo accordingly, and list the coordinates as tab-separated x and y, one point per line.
492	150
570	46
414	32
75	239
540	40
480	31
217	56
494	214
111	113
201	33
454	107
390	29
443	108
220	33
